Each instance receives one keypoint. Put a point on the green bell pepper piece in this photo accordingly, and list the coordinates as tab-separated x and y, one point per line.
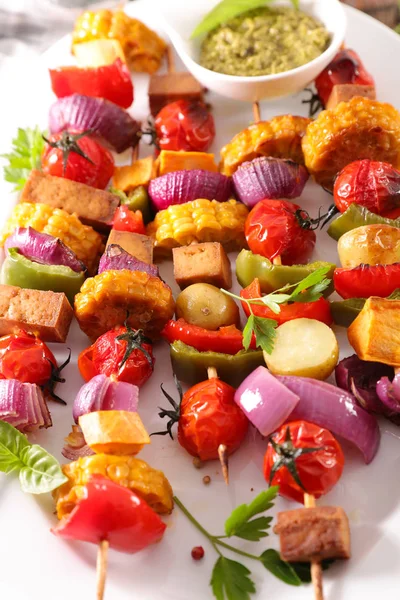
345	311
190	365
139	200
357	216
22	272
273	277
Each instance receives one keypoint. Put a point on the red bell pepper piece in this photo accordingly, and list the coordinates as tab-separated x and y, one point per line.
128	220
228	340
112	82
319	310
367	280
108	511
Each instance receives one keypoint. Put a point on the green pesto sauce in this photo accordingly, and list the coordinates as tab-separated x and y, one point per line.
263	42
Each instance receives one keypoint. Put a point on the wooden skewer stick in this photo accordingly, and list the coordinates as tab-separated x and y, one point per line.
135	153
222	449
102	556
170	59
277	260
256	112
316	569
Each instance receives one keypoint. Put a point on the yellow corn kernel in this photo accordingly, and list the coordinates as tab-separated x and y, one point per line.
133	473
83	240
105	300
199	221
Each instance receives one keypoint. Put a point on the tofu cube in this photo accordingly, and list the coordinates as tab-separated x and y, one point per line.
164	89
45	314
344	92
202	263
375	333
139	246
308	534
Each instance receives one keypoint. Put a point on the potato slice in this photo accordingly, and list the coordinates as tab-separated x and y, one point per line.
303	347
370	245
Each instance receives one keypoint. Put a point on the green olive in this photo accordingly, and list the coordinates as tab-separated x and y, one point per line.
206	306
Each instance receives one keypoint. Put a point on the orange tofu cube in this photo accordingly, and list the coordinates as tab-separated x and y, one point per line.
170	160
170	87
128	178
138	245
375	333
202	263
316	533
114	432
344	92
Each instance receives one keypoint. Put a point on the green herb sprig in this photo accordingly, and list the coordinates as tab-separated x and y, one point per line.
230	579
229	9
27	148
39	472
309	289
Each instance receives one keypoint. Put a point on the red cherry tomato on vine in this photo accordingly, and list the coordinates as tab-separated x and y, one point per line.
185	125
128	220
279	228
316	472
207	417
124	353
78	157
346	67
26	358
374	185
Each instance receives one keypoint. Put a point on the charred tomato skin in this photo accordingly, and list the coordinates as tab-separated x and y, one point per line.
26	358
209	417
185	125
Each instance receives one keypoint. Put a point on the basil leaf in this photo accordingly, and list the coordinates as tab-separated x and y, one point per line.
278	567
12	442
41	472
231	580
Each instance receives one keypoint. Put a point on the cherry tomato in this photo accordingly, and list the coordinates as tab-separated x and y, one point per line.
26	358
346	67
316	472
78	157
279	228
128	220
207	417
374	185
185	125
121	352
319	310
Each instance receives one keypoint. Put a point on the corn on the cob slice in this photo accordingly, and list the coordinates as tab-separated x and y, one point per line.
82	239
354	130
135	474
199	221
281	137
142	47
106	299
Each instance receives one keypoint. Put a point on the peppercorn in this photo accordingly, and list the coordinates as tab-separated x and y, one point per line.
206	479
197	552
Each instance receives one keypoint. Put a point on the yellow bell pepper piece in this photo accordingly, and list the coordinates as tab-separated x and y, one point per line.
114	432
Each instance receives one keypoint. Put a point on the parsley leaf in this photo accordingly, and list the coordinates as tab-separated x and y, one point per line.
27	147
229	9
281	569
231	580
311	287
303	570
264	331
239	523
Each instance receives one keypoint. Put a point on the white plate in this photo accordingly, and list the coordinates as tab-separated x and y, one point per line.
34	565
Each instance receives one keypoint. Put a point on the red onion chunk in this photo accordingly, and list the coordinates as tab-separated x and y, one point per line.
335	409
43	248
267	177
111	123
179	187
104	393
265	401
75	445
23	405
116	258
389	394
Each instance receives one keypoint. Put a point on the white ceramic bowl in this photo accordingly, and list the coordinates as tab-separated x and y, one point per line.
181	17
